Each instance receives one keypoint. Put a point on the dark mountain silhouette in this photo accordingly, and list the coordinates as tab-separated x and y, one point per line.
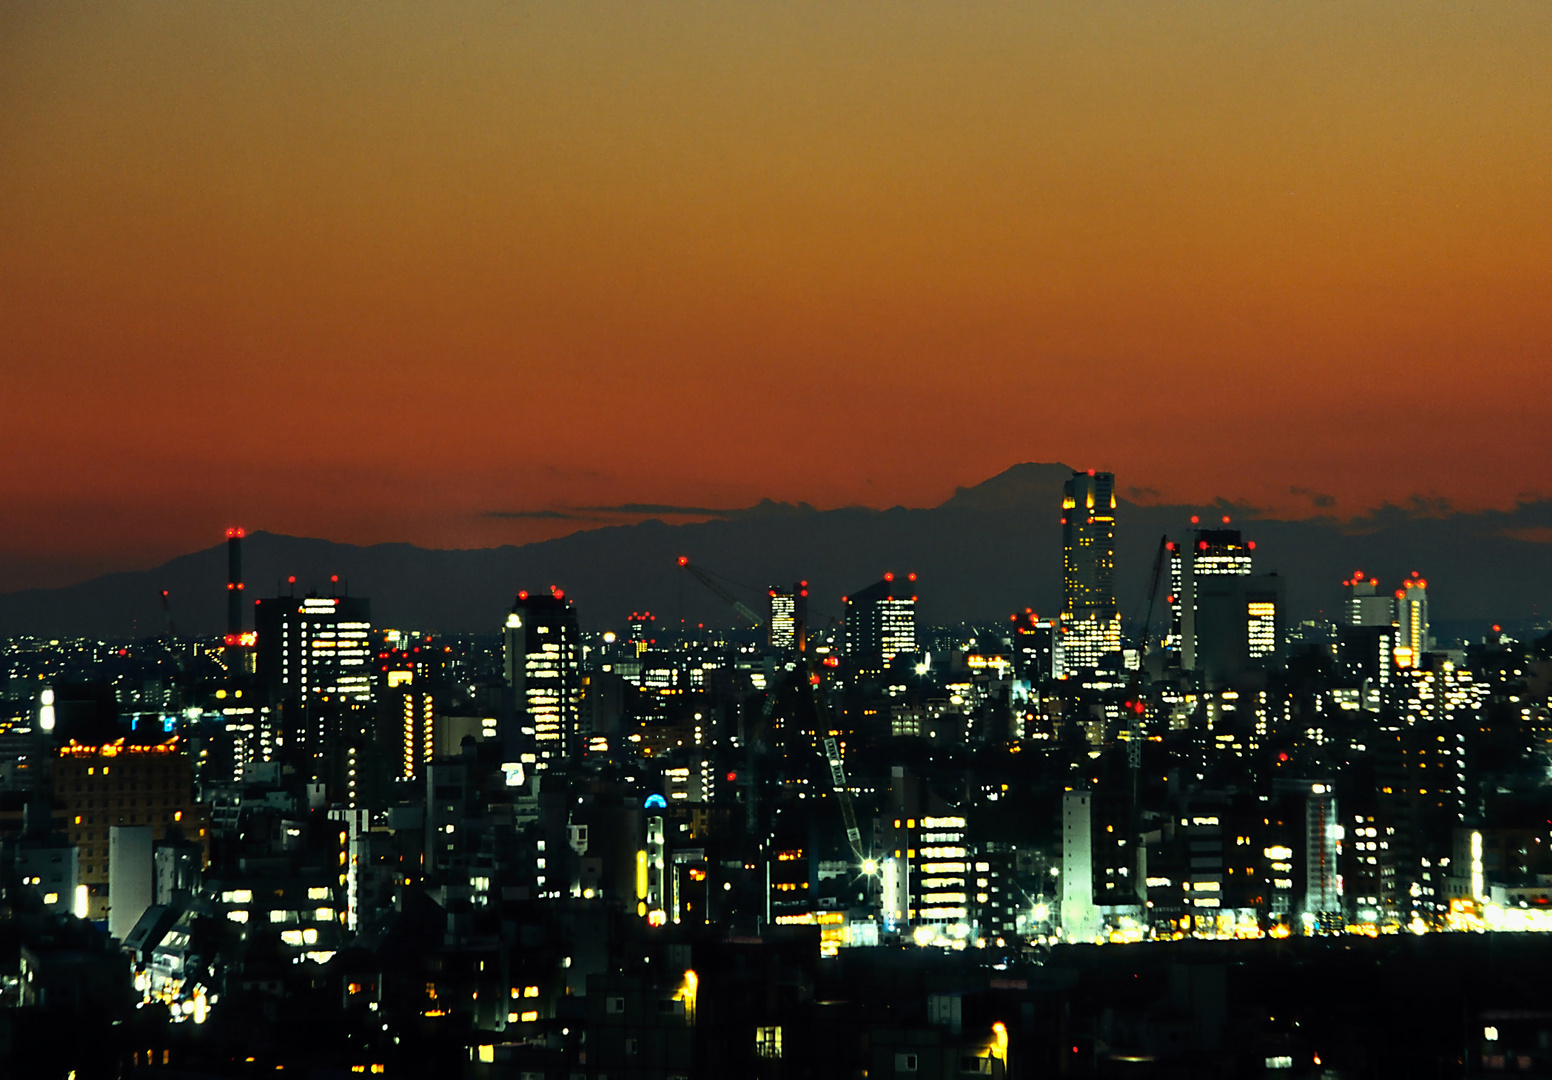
987	551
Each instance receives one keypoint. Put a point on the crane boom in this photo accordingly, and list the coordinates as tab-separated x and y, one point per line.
726	597
843	795
832	754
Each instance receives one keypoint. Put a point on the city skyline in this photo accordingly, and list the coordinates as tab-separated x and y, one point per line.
680	541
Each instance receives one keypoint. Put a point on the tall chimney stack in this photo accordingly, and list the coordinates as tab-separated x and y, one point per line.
234	582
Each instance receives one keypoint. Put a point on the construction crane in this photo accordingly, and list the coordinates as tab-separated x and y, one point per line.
830	747
832	755
726	597
1133	697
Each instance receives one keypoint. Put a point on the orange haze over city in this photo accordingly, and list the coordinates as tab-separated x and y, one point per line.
451	274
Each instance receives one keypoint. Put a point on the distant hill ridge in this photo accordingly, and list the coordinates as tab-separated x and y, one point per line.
988	550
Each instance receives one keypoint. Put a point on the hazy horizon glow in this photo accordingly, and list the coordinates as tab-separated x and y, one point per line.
374	272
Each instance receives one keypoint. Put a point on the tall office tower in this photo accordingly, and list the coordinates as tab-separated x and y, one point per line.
1221	552
314	655
544	670
880	621
1411	621
640	631
1230	617
1037	648
1174	641
1363	605
1090	618
1238	626
316	648
1223	617
788	617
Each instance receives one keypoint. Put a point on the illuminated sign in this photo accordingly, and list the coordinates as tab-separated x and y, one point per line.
116	748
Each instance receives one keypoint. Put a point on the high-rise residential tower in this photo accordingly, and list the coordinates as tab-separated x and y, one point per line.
1411	621
1091	620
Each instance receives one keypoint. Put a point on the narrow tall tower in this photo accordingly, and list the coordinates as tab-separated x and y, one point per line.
234	581
1091	620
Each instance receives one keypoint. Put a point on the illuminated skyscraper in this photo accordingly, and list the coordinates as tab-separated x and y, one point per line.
1222	553
788	616
1411	621
1090	618
880	621
314	653
1227	621
315	648
543	668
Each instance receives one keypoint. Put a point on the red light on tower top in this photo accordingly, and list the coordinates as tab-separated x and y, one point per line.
889	575
1195	520
684	560
236	533
1225	519
910	577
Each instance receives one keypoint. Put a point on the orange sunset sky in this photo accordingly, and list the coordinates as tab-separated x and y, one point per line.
374	271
